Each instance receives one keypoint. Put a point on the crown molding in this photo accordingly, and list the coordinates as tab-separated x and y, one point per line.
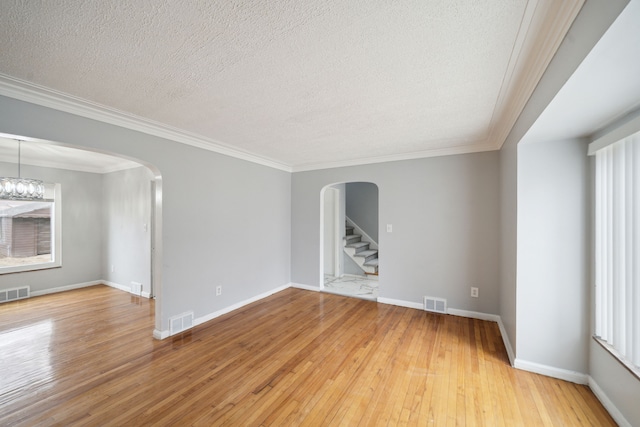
438	152
550	20
40	95
72	166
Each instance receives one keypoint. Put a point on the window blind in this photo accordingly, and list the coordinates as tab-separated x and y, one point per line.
617	247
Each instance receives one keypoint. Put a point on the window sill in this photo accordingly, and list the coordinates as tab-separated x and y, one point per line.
635	371
30	267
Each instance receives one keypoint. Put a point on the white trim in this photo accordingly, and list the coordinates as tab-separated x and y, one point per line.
625	127
124	288
473	314
46	97
550	371
211	316
117	286
507	343
401	303
491	318
160	335
372	243
436	152
56	235
66	288
305	287
608	404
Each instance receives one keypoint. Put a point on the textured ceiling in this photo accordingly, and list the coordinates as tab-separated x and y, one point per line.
306	83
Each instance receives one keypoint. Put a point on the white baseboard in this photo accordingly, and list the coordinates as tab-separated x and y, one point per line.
117	286
473	314
145	295
211	316
401	303
461	313
507	343
550	371
123	288
305	287
66	288
160	335
608	405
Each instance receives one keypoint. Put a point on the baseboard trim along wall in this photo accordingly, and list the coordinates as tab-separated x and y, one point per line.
305	287
211	316
66	288
609	406
507	343
400	303
123	288
550	371
160	335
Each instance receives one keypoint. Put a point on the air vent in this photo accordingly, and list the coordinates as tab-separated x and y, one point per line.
136	288
180	323
13	294
437	305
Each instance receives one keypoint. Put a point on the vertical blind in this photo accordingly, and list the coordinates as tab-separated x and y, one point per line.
617	246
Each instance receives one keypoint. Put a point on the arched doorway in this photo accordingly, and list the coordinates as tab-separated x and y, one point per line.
350	254
131	181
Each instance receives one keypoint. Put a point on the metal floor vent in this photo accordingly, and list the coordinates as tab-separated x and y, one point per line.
13	294
438	305
136	288
180	323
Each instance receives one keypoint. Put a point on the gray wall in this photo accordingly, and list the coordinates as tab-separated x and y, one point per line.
594	19
362	206
620	386
445	218
225	221
81	230
553	248
508	240
127	227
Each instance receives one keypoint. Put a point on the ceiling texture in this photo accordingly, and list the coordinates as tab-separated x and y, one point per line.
294	84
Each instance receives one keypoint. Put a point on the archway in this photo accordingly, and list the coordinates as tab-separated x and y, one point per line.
349	249
47	157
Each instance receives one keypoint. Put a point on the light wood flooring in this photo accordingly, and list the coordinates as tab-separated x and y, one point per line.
86	357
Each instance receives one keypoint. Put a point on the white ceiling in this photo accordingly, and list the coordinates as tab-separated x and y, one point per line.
305	83
604	88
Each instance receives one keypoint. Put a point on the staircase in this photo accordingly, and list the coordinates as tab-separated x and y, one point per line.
360	252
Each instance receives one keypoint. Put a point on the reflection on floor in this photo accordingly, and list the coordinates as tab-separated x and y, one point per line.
353	286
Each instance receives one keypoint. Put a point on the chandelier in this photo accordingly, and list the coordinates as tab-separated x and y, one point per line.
21	188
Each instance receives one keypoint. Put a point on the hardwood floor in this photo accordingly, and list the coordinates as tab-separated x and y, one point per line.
86	357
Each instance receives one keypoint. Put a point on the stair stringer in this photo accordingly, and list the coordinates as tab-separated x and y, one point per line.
365	237
351	252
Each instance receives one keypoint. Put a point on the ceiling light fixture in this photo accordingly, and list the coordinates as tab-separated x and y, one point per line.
21	188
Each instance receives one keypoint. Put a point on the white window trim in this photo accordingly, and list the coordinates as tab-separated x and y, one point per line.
56	238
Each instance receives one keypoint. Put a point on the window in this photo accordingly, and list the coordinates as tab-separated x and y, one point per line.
617	249
30	233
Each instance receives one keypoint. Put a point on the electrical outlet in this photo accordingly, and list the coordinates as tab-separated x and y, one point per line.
218	290
474	292
389	228
113	268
